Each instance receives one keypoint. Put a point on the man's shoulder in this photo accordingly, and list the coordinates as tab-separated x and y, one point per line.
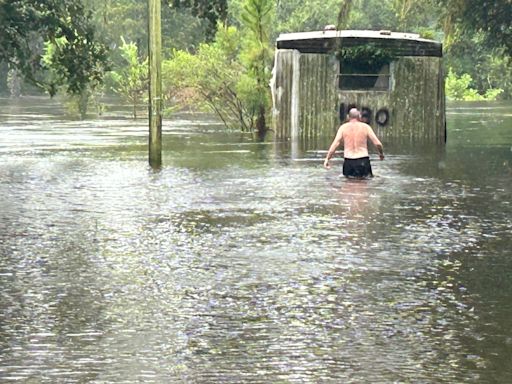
353	124
348	124
368	127
343	127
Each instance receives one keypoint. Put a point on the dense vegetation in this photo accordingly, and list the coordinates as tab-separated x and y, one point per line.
51	44
218	53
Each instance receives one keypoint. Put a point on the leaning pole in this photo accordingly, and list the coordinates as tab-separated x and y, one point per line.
155	83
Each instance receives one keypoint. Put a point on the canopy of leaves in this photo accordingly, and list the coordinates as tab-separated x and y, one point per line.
365	56
53	43
306	15
181	29
211	10
467	17
459	88
209	78
131	80
77	56
257	19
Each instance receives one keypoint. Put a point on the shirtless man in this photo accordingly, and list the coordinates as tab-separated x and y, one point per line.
354	136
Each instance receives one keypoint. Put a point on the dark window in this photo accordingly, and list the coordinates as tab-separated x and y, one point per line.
354	77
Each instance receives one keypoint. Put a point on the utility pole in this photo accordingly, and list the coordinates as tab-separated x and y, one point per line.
155	83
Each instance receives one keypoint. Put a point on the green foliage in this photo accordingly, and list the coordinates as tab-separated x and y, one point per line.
229	76
310	15
477	35
257	18
54	43
372	14
411	14
115	18
427	33
212	11
210	78
461	19
459	88
492	94
54	74
489	67
77	102
305	15
182	27
314	15
396	15
496	72
478	41
365	57
131	80
80	104
28	25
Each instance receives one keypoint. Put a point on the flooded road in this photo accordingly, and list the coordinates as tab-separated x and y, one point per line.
248	262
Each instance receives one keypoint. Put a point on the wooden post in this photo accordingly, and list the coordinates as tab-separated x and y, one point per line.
155	83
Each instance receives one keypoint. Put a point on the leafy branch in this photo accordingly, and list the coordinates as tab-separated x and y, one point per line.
365	56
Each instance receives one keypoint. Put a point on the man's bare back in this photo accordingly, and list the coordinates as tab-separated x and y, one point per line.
354	135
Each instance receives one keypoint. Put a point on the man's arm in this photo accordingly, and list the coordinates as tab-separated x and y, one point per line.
373	138
335	144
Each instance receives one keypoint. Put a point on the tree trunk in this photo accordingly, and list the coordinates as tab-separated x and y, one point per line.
83	103
261	126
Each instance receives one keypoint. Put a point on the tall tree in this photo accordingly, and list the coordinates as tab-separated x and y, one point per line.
212	11
77	55
305	15
257	18
214	78
463	18
181	29
344	13
402	10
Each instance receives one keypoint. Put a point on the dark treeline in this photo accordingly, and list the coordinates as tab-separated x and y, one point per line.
218	54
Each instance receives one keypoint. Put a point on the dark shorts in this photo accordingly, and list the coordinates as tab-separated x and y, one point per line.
357	168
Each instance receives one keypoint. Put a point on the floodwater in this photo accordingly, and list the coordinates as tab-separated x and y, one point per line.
243	262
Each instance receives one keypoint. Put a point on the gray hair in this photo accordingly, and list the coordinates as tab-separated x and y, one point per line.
354	114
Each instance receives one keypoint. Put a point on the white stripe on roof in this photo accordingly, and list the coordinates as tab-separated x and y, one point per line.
350	33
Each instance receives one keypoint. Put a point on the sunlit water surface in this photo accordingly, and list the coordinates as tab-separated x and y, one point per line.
241	261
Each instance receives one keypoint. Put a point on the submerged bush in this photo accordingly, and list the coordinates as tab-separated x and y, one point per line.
459	88
216	78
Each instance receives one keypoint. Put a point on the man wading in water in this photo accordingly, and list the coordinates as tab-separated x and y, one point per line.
355	135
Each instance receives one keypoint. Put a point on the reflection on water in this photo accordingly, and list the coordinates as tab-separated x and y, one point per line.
248	262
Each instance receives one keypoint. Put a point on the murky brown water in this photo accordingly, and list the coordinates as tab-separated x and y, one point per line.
248	262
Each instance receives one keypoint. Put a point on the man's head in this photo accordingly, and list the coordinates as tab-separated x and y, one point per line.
353	114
